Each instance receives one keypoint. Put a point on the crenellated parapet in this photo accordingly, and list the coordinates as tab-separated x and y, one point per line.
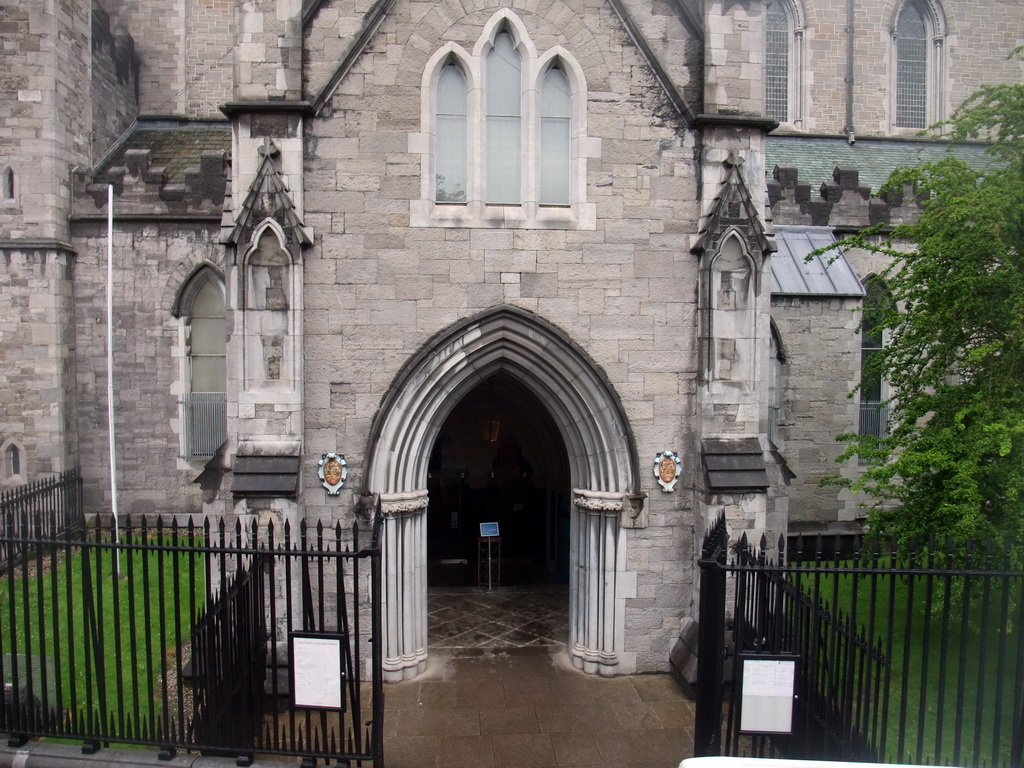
162	168
843	203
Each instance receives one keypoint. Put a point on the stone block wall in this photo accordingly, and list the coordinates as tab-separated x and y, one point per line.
979	36
158	28
734	58
44	113
268	56
37	373
151	262
377	289
822	348
115	81
209	65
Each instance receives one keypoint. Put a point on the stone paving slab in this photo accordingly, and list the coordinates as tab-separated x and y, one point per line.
515	709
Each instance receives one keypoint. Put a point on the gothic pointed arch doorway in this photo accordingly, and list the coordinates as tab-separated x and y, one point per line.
498	458
534	361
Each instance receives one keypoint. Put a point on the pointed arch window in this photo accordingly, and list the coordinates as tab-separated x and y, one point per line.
777	31
783	61
204	405
918	32
504	122
452	135
7	184
911	67
555	137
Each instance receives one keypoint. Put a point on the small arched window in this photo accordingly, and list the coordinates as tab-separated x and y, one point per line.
13	457
7	182
452	138
12	460
555	138
504	122
912	67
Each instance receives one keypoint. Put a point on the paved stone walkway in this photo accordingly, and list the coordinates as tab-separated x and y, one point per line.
517	703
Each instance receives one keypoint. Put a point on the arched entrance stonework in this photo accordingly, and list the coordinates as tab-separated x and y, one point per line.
602	467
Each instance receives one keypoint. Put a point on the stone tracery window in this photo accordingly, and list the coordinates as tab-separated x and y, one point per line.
504	135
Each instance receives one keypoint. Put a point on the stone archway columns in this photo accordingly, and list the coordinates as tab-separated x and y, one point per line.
405	584
601	458
598	583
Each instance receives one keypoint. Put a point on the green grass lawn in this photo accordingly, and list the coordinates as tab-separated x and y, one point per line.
955	653
119	660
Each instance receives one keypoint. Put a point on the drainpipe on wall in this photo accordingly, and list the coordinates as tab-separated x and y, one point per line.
848	130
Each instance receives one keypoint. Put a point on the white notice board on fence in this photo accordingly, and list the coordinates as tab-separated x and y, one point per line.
317	674
767	688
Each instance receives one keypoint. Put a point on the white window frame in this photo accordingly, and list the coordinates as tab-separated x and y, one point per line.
796	65
935	65
529	213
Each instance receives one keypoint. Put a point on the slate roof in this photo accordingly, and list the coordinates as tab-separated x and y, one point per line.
827	274
817	157
173	144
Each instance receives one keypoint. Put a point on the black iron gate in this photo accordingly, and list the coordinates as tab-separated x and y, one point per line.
912	655
191	648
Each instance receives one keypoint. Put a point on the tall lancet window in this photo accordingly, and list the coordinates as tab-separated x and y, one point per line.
777	53
504	122
206	348
911	67
555	138
452	138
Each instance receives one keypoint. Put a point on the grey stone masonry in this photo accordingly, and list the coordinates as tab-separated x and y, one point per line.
158	28
37	371
44	111
152	262
268	57
115	81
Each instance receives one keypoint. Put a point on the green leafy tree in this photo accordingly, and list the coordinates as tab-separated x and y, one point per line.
953	460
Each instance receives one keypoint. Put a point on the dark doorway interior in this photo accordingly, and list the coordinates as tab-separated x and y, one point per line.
499	458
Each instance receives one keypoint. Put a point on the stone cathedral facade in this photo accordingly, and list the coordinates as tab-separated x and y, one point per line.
534	263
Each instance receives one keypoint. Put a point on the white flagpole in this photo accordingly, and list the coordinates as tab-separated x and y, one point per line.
110	368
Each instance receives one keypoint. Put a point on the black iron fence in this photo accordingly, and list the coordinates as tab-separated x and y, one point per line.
222	640
45	509
897	655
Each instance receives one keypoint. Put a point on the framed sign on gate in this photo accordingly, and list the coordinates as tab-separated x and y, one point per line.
317	670
767	690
